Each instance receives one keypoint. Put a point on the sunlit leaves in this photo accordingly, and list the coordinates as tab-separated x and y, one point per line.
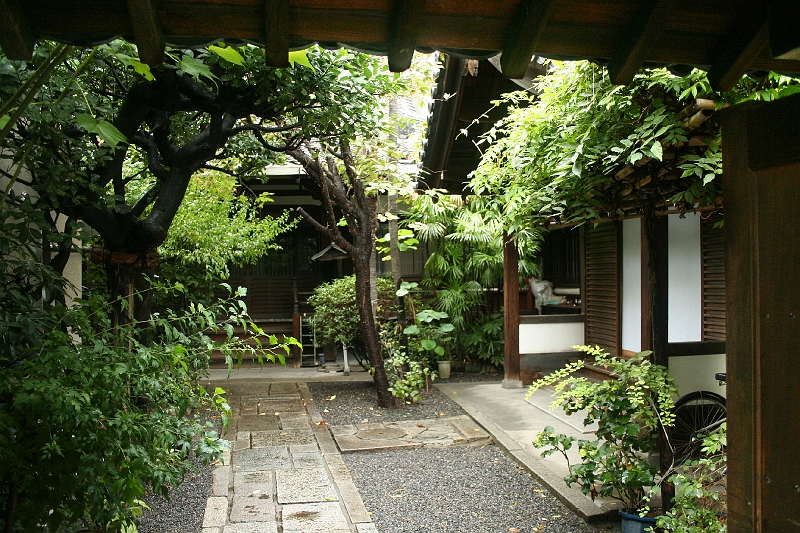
228	53
106	130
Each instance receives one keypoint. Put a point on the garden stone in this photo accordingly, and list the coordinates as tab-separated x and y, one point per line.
269	457
262	439
299	485
254	507
324	517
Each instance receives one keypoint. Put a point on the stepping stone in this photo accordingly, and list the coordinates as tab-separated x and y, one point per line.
295	422
261	439
252	527
270	406
283	388
256	423
299	485
307	460
245	483
254	507
467	427
314	518
382	433
267	458
216	513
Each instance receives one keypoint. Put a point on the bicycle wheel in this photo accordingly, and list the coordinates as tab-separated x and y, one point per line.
696	414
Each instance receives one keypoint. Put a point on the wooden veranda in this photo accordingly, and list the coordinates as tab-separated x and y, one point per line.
727	37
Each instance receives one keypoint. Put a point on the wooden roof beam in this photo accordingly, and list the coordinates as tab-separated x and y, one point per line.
522	36
16	37
404	25
637	39
741	48
277	26
147	31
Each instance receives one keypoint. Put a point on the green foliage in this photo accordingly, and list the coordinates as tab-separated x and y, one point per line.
466	256
93	414
700	504
484	338
628	409
336	319
556	152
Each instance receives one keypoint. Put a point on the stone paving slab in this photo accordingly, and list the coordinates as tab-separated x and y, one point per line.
265	458
251	527
254	507
308	460
292	421
246	482
441	432
272	407
257	423
324	517
301	485
263	439
221	481
216	512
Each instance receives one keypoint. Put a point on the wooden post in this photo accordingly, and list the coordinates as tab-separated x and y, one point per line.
511	303
762	305
655	317
297	333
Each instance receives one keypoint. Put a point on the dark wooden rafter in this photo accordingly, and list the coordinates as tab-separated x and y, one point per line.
523	36
637	39
16	37
147	31
277	31
404	25
744	45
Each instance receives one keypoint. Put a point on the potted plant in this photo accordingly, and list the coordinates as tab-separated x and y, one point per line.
629	410
431	337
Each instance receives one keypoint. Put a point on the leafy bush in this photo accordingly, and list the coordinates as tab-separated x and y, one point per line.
91	416
629	410
700	503
485	339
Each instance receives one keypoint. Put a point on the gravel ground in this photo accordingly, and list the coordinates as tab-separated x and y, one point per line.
183	512
461	489
345	403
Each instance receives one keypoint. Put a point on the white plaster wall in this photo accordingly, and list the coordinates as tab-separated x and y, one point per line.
550	337
697	373
685	291
73	270
631	285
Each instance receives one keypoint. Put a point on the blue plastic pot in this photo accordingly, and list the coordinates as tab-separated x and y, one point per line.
633	523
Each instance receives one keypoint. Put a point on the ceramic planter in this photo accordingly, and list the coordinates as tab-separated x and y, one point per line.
633	523
444	369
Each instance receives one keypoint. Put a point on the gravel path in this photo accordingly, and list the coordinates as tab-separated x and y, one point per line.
183	512
462	489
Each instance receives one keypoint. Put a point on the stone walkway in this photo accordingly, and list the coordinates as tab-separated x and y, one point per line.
284	472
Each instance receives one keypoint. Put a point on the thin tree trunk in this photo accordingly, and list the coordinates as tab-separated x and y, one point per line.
371	340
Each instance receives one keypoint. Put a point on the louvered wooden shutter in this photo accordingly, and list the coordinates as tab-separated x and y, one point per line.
713	280
603	286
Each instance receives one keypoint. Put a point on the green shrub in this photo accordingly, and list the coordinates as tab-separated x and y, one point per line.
90	417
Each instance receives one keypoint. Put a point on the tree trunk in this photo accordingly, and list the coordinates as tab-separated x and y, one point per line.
371	340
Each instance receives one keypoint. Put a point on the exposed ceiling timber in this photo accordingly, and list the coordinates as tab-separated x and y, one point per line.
277	30
16	37
742	48
440	141
784	37
523	36
147	31
636	40
405	22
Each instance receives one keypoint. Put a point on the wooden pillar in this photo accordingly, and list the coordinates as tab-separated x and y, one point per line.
655	315
511	378
297	332
762	304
